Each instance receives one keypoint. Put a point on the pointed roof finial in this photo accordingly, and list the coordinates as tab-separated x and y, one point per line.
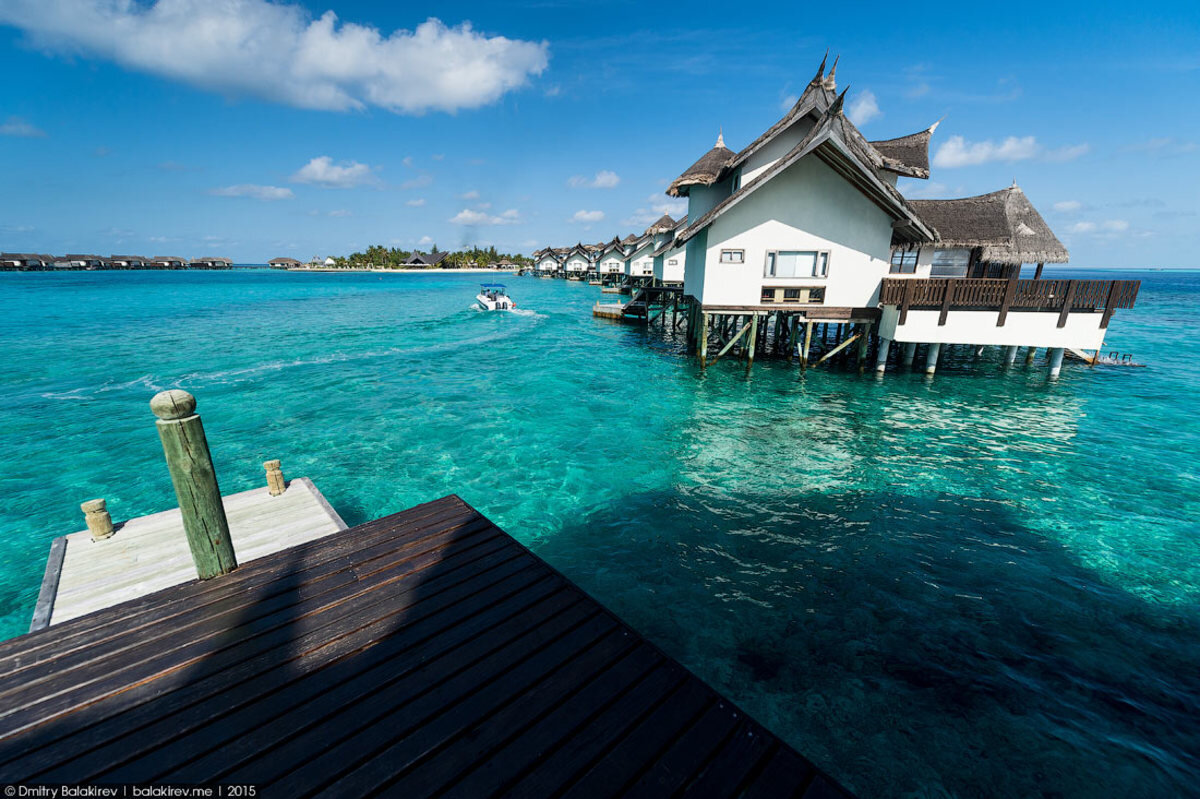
934	126
820	71
720	137
835	108
1014	185
830	82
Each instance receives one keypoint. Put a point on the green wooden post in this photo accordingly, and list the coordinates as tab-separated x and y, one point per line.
195	483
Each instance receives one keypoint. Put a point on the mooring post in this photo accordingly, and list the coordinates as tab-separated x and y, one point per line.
276	485
703	350
931	358
1010	355
1055	361
1030	354
882	355
808	328
910	353
99	523
195	482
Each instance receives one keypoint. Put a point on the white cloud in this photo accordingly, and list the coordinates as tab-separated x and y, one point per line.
863	109
588	216
957	151
470	195
278	52
321	171
340	212
419	182
1109	228
1164	146
407	160
425	241
659	205
1069	153
16	126
257	192
474	218
438	156
417	203
1068	206
605	179
1082	227
787	102
1116	225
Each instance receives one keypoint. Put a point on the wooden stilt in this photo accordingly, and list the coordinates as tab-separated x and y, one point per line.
838	349
808	329
703	351
753	339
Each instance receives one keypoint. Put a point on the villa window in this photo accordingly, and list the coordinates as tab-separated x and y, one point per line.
950	263
673	262
904	262
797	263
733	256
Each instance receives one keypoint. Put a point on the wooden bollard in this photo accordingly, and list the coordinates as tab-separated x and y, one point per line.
276	485
195	483
99	523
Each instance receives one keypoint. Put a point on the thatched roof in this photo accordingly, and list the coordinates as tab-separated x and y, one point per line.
665	224
1004	224
706	171
291	261
836	142
907	155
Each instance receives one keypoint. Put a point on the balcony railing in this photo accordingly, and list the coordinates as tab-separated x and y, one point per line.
987	294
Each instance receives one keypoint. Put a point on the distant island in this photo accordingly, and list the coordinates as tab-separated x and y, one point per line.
380	257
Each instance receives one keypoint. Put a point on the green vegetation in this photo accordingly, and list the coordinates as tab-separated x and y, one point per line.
379	257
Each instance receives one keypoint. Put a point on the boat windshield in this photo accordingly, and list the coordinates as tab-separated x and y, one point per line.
492	290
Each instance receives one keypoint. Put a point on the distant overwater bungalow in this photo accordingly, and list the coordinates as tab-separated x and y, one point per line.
801	245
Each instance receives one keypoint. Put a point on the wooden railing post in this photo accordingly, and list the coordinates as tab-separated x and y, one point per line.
946	299
905	300
1068	301
195	482
1010	292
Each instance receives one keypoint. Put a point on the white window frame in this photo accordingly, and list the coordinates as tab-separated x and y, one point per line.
741	256
673	262
820	269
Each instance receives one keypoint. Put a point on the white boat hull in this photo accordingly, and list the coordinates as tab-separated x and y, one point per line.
497	304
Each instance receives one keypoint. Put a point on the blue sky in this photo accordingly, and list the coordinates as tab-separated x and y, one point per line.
255	129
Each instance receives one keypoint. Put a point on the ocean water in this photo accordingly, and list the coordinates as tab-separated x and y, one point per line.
978	584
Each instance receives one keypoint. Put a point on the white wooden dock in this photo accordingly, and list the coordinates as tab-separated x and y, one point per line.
151	553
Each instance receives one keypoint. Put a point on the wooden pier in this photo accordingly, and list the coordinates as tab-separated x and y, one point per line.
151	553
423	654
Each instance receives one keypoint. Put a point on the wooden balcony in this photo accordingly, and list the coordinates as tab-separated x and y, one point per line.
986	294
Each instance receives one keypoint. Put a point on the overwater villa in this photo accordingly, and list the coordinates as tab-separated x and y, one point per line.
211	262
805	227
284	263
548	262
168	262
578	262
669	258
127	262
24	261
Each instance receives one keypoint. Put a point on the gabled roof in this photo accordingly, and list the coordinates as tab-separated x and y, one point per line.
580	249
816	98
836	141
1004	224
665	224
907	155
178	258
127	258
630	239
707	170
432	259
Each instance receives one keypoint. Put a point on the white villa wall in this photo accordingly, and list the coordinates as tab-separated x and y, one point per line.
775	149
612	263
694	266
702	199
547	265
1021	328
640	262
667	271
807	207
577	263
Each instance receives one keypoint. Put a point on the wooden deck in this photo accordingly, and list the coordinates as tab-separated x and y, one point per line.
423	654
151	553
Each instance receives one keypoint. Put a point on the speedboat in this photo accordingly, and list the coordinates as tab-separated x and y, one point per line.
492	297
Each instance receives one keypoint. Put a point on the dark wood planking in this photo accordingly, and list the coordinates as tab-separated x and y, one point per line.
426	653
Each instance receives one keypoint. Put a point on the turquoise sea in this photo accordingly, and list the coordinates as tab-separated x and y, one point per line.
980	584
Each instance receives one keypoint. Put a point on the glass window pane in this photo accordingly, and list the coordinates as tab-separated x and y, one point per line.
950	263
